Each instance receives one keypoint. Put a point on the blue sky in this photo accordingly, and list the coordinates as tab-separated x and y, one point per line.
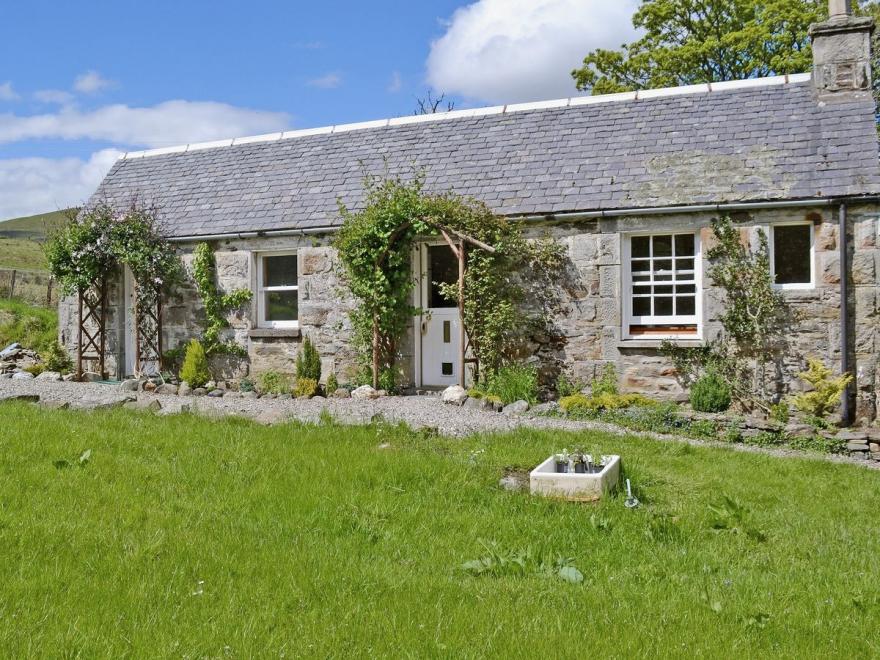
82	82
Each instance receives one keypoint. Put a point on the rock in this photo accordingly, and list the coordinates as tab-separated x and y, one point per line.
364	392
130	385
853	436
91	377
167	388
5	376
53	376
68	378
55	405
105	403
874	447
210	385
149	386
268	395
473	403
761	424
215	394
250	395
856	446
10	351
199	391
31	398
516	408
184	389
22	375
545	408
341	393
514	481
454	395
318	397
286	396
143	404
795	429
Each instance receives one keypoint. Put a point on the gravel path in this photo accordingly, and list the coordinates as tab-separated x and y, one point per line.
416	411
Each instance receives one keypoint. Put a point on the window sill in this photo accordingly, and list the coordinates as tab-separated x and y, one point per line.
655	343
273	333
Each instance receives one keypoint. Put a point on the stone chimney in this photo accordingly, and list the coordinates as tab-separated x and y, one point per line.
841	51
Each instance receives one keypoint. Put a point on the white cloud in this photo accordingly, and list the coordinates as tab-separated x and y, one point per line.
524	50
396	82
90	82
7	93
328	81
58	96
38	185
165	124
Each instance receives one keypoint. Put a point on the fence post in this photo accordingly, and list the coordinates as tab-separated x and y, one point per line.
49	294
12	285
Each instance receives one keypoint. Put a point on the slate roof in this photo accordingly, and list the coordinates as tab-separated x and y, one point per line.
752	141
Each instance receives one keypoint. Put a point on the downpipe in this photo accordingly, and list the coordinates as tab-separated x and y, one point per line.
846	407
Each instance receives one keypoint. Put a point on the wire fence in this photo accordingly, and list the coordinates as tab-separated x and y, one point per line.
32	286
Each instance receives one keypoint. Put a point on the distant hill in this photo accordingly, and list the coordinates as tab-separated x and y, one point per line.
21	239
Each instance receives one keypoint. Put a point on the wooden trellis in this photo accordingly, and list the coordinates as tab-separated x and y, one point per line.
92	335
147	333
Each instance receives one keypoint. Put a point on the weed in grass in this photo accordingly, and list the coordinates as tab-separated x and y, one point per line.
730	515
499	562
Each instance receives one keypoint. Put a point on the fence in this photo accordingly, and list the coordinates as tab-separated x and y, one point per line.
31	286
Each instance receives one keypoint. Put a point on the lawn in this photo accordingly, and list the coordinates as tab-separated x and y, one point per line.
183	537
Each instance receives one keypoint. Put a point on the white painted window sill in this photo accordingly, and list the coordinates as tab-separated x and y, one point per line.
655	343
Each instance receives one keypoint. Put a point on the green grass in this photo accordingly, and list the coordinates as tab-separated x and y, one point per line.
21	240
33	327
36	225
182	537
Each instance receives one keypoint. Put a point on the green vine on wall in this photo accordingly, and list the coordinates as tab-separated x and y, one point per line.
375	247
216	304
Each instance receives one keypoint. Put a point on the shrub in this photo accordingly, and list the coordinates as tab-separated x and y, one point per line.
565	386
57	358
246	385
710	393
332	384
308	361
272	382
826	392
780	413
305	388
514	383
476	393
581	404
606	383
195	365
35	369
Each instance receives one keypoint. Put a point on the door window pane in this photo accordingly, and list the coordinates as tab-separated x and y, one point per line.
792	262
442	269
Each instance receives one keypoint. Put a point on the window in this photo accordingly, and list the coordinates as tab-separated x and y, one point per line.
791	255
277	290
661	285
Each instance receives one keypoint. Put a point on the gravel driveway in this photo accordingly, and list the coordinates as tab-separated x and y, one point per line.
416	411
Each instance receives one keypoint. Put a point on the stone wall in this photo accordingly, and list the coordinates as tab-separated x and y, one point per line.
586	332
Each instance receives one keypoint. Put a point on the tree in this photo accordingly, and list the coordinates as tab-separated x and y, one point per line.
430	105
698	41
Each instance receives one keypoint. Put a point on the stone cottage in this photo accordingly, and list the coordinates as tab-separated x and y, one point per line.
628	182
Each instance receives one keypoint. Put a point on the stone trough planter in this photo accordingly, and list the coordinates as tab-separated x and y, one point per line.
575	486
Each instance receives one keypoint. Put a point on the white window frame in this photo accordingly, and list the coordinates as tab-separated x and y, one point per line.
770	244
262	321
626	298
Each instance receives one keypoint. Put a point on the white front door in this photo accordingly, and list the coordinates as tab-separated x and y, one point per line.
128	316
440	326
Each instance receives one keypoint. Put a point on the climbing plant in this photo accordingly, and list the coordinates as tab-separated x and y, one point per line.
99	240
375	246
217	304
754	321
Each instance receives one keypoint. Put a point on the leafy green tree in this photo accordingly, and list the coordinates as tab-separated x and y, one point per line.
697	41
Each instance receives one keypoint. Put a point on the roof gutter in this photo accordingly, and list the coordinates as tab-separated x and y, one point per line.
565	216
